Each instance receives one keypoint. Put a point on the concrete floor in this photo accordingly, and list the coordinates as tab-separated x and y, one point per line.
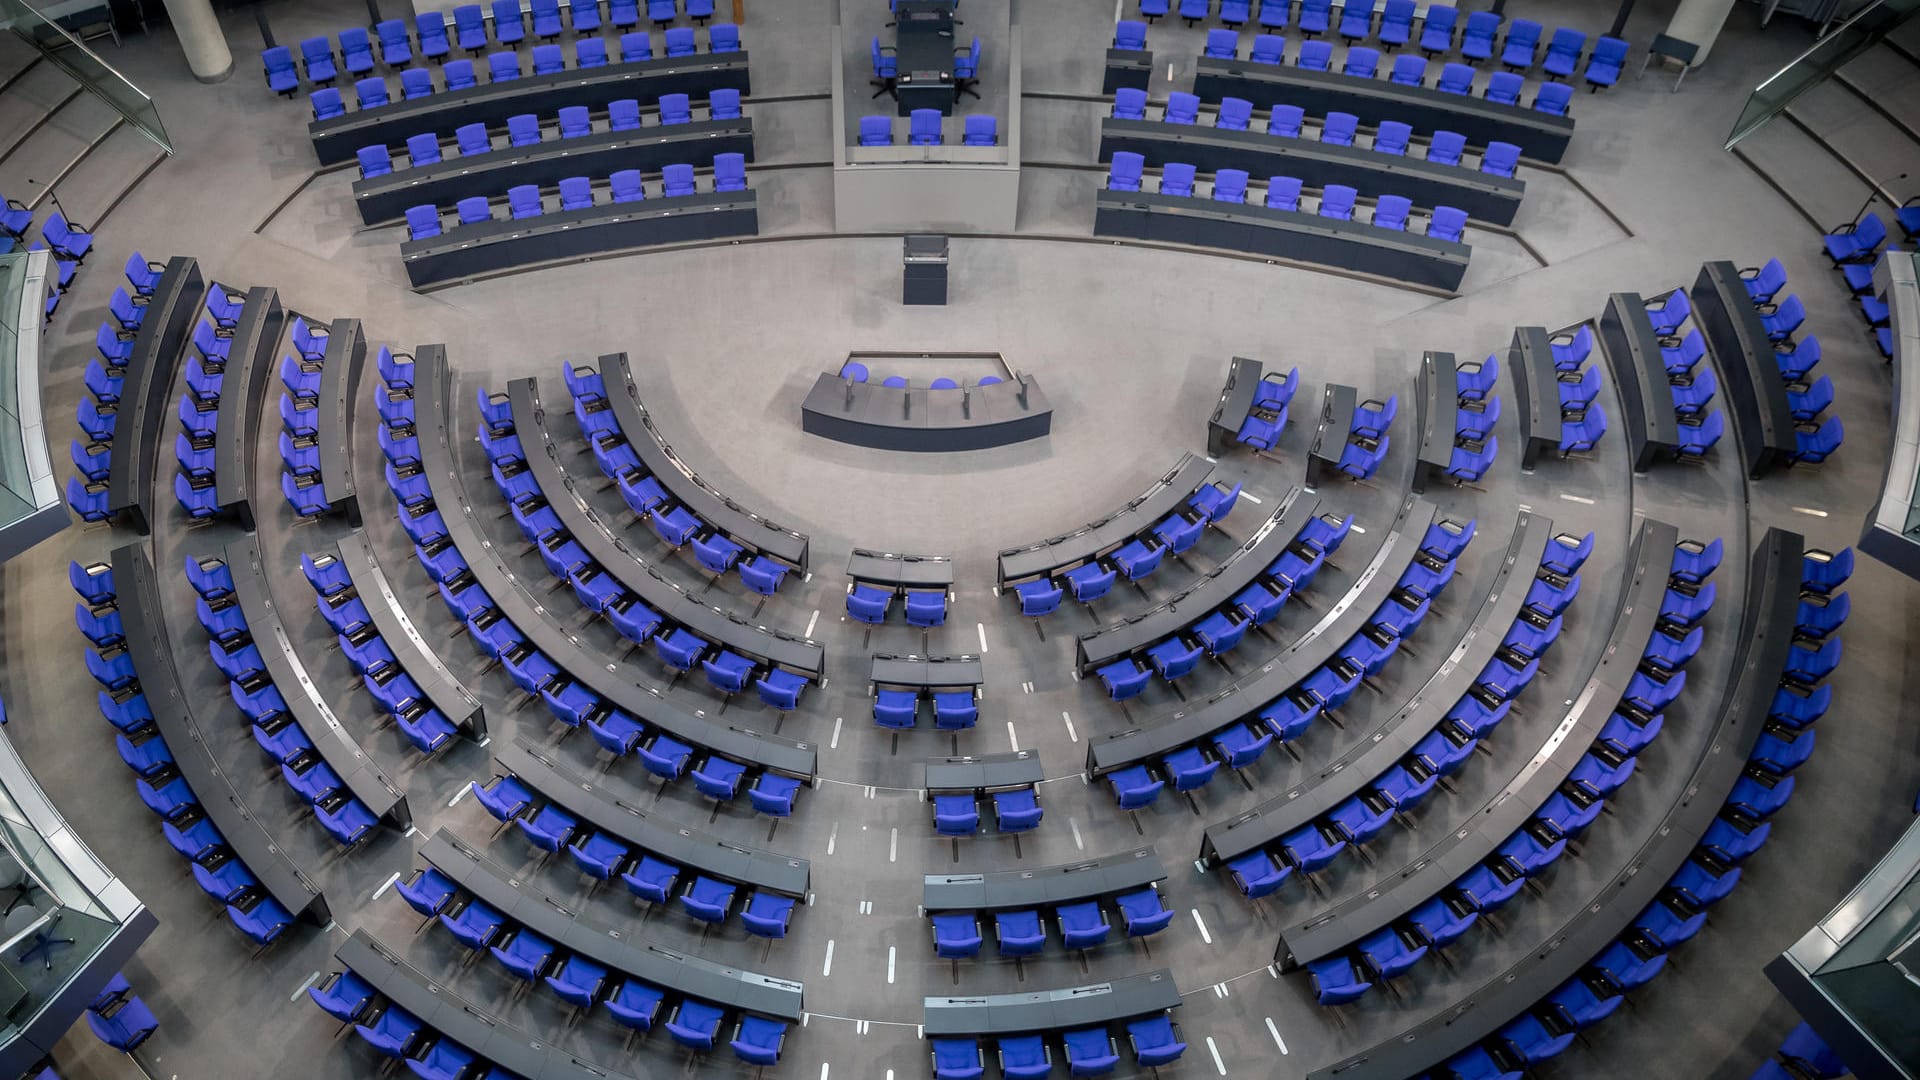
1131	345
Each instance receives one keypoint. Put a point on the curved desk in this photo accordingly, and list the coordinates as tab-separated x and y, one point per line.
1484	196
1287	234
1437	403
1044	887
984	773
635	574
339	393
1328	931
153	661
1892	530
614	949
926	421
1540	136
1238	570
1640	373
416	658
1317	646
489	175
336	746
250	363
611	682
340	138
1089	542
146	393
1766	635
1052	1010
1358	768
492	247
743	526
1536	382
1756	394
642	830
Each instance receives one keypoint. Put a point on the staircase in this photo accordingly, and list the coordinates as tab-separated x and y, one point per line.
59	141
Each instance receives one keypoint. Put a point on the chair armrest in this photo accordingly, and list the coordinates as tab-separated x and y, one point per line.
16	204
1749	272
1842	230
886	49
1766	309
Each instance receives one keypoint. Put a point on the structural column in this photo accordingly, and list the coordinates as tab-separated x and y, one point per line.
1699	21
201	39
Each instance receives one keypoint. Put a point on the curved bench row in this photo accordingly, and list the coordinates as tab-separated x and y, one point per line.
1584	949
316	415
1077	557
543	658
1076	895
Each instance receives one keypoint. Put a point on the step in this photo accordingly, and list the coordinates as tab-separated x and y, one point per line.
16	57
1890	81
46	156
1864	140
1821	185
105	176
29	102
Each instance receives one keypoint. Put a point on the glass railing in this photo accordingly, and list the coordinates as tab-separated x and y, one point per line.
65	52
30	505
1812	67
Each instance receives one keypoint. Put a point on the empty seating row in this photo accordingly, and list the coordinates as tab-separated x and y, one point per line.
142	346
1378	937
1802	1054
1766	406
383	193
1263	849
900	683
656	858
1888	533
105	382
576	193
1630	338
1856	248
317	757
1504	88
1366	437
1436	723
1475	38
1677	910
606	403
196	447
201	813
374	92
1025	1027
955	786
383	119
317	414
1457	415
1558	393
855	371
1316	675
1253	407
256	331
1440	177
1435	258
1075	556
507	622
613	581
1080	895
582	227
67	245
1212	616
926	127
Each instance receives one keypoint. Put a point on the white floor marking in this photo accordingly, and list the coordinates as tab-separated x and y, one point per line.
1809	511
1071	734
826	969
890	957
1075	827
833	836
1275	1032
823	1069
893	845
1012	736
302	988
388	884
411	829
1581	499
982	628
1215	1051
834	743
1199	867
1201	923
1361	529
1254	499
814	618
461	794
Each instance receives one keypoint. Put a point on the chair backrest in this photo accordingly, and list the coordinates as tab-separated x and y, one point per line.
1445	147
1362	61
1130	34
724	104
1390	212
374	161
1230	185
1315	55
1126	168
679	179
923	127
523	129
575	121
1268	49
423	222
548	59
1285	120
576	193
623	114
1391	137
637	45
317	50
1500	158
1224	44
523	201
730	171
627	186
1504	87
503	66
1129	103
1283	193
416	83
1176	178
981	131
725	37
474	209
1409	69
876	131
1567	43
590	52
1182	108
1234	114
460	75
1456	79
675	109
680	41
1447	223
278	60
1481	26
1609	51
1554	98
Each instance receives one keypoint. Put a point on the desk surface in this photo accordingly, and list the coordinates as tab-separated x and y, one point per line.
742	525
340	371
1236	400
928	672
1337	403
984	772
1101	537
660	836
416	657
1326	932
615	949
900	571
1537	384
173	713
1046	886
616	685
924	45
637	574
146	395
251	360
923	420
1436	390
363	777
1640	374
1762	419
1053	1010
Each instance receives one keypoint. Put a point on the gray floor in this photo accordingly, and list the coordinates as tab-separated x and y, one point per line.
1131	344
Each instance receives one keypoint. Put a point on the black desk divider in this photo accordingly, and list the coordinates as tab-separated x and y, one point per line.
1536	385
1129	998
1640	373
1749	375
1236	400
250	365
339	395
1046	886
147	394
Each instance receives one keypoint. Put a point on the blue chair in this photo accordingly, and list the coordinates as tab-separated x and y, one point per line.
634	1004
370	93
1285	121
1337	130
1136	559
1314	55
1134	787
1038	597
1812	445
1408	70
1268	48
767	915
1554	99
461	76
1455	79
281	77
680	41
718	778
1336	981
1018	933
1391	138
1017	811
708	900
1441	920
1386	953
1499	158
327	104
695	1024
1308	850
757	1039
503	67
1681	359
1356	19
1222	44
1530	1041
1522	43
317	54
955	815
1194	10
956	935
1090	581
1583	434
1090	1051
957	1059
1362	63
